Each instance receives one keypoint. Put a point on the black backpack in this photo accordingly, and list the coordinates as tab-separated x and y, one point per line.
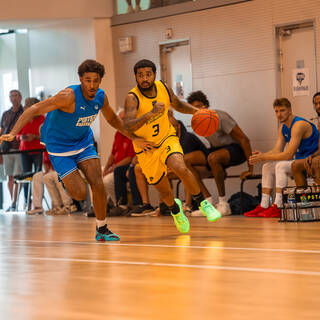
249	202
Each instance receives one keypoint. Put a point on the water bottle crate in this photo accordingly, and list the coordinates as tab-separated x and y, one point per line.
301	204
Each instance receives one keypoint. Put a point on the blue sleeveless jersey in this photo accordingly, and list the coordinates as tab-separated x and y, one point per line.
307	146
69	132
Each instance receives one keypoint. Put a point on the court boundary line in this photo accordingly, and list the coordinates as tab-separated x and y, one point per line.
177	265
163	246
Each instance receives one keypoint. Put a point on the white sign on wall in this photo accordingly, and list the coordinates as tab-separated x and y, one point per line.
300	78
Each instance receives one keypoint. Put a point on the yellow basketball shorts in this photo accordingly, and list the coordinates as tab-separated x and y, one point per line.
154	162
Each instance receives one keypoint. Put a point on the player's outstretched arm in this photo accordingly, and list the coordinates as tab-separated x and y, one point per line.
131	122
64	101
181	106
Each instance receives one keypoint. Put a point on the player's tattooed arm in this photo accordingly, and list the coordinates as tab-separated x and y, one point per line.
181	106
131	122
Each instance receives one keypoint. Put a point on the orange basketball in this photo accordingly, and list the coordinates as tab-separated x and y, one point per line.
205	122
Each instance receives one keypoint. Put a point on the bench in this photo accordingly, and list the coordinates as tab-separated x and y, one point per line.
206	174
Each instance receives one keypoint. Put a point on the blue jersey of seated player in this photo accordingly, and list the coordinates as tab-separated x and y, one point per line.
66	133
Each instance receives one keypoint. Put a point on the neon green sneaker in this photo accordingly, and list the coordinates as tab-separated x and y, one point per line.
180	220
209	211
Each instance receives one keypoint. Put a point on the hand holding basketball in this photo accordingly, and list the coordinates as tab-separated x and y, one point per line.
205	122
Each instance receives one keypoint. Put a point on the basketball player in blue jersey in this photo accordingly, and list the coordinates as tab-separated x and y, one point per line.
146	116
301	139
68	137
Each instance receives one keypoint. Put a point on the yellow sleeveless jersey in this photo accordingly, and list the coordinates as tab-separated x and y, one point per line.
158	128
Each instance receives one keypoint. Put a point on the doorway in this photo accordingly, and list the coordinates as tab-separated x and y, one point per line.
297	74
176	69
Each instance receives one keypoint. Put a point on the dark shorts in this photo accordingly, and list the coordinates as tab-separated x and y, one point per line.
237	155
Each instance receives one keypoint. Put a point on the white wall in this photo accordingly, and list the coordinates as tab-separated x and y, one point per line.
233	57
56	52
8	65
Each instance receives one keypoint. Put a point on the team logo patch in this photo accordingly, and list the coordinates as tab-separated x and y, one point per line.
86	121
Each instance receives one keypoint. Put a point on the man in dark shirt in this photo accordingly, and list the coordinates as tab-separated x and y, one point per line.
11	162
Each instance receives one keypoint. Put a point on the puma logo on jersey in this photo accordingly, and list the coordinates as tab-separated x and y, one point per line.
86	121
83	108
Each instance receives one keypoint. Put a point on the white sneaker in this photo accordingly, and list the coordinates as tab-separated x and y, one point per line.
223	208
196	213
34	211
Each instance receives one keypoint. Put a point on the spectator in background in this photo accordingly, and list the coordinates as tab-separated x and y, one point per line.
297	139
229	147
11	162
122	175
310	165
121	155
37	186
29	137
130	6
62	203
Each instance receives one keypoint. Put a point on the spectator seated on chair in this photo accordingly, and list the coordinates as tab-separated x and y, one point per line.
123	174
229	147
310	165
121	156
301	138
62	204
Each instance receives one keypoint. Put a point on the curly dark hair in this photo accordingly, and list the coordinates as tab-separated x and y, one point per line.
315	95
198	96
144	63
91	66
282	102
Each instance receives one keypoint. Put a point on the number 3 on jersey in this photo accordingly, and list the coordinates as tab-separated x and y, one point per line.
156	130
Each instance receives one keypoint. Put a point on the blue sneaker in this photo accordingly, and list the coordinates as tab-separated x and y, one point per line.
180	220
106	235
209	211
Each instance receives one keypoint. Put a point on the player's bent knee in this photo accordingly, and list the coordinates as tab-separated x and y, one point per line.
213	159
78	193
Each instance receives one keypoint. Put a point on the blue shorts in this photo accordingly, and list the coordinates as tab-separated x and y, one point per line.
67	164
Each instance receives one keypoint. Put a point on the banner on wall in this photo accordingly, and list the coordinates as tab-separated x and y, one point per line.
301	86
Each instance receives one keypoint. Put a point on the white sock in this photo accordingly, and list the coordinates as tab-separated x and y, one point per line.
101	223
278	200
222	199
265	201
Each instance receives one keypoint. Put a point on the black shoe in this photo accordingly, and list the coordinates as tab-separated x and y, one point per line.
11	208
118	211
142	211
104	234
164	210
90	213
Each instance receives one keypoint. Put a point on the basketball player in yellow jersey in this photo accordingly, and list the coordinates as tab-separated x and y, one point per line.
146	116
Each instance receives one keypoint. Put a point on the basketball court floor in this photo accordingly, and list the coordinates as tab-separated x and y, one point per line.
235	268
